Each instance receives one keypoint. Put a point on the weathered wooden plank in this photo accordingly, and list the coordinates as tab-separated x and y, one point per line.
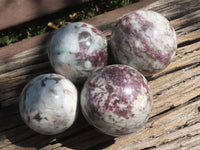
32	43
174	9
189	38
183	21
175	116
25	58
15	12
182	60
175	124
187	88
173	79
187	29
195	147
185	142
11	87
28	137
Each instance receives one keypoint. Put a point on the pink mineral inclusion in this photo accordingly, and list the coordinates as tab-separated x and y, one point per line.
116	92
84	25
95	30
127	29
95	57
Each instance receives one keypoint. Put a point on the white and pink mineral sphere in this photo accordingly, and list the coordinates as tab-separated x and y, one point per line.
116	100
144	40
48	104
78	49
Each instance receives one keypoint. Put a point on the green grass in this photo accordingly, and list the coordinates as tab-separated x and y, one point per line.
57	20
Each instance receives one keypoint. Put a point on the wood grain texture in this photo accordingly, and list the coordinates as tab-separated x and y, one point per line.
164	129
175	119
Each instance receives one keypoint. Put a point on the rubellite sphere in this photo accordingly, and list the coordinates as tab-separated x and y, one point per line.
48	104
116	100
78	49
144	40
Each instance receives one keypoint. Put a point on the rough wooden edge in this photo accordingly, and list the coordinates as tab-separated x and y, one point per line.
106	18
14	12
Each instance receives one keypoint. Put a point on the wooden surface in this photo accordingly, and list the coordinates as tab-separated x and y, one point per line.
175	119
14	12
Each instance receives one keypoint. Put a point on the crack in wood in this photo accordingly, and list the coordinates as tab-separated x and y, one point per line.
174	140
189	29
174	70
172	108
186	53
175	85
189	42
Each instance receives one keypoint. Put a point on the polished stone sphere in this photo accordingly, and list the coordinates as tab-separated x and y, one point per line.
116	100
144	40
48	104
76	50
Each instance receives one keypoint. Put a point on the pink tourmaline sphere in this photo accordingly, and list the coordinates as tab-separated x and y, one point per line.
116	100
144	40
76	50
